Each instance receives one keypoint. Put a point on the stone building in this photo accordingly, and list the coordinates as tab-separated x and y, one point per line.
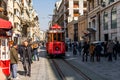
94	19
21	14
110	20
3	9
66	11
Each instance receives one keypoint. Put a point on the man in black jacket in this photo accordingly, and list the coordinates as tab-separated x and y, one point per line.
85	51
27	58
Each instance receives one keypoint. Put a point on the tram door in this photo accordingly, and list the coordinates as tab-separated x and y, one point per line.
4	56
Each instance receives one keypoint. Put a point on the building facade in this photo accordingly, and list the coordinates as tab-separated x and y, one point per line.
66	11
82	28
94	19
110	13
103	20
23	17
76	27
42	35
34	29
17	27
3	9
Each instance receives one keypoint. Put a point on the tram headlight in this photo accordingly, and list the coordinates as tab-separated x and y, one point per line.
56	48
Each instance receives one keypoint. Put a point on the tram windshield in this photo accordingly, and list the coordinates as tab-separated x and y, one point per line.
55	37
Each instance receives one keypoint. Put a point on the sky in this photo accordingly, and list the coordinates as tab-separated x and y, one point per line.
44	8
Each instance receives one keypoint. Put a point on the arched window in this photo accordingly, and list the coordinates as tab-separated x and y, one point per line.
113	18
105	20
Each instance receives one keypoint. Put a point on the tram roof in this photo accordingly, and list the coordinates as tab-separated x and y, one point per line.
55	26
55	31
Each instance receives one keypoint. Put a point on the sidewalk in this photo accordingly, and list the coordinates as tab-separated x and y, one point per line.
40	70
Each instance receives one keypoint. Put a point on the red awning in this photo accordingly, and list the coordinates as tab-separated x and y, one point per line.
4	24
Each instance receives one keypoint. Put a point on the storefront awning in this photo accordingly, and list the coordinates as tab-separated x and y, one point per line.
4	24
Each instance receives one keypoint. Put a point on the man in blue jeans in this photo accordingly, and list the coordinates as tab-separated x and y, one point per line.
14	60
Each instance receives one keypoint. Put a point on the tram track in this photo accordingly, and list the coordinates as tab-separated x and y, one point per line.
62	76
72	67
78	70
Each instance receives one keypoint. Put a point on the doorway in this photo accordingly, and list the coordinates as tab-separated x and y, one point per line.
106	37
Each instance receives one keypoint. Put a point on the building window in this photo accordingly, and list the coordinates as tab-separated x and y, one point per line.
76	4
113	18
93	23
113	36
76	32
98	2
76	13
89	24
110	1
92	4
105	20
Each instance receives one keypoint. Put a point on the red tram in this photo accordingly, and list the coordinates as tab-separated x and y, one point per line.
55	45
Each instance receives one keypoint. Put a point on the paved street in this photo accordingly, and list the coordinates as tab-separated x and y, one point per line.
44	70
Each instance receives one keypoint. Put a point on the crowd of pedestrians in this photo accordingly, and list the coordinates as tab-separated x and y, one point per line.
108	49
28	52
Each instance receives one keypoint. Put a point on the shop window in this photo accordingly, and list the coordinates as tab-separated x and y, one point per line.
113	18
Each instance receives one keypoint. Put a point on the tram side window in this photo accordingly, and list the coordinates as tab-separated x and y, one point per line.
63	37
49	37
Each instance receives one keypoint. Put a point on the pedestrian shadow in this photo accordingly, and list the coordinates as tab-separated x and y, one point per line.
21	72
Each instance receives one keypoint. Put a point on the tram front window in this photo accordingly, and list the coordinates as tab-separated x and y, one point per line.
55	37
58	37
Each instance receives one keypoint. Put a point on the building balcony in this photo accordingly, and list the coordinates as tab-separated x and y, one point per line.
1	9
67	10
85	9
66	1
18	3
76	15
3	16
91	29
